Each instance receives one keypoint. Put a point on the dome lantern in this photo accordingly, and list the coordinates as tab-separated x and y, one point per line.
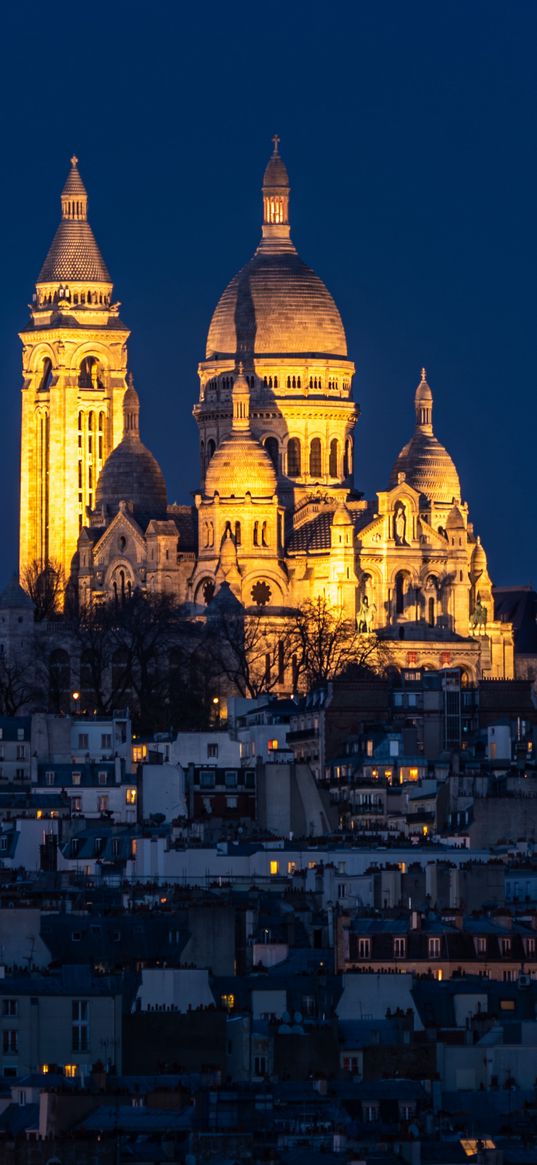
276	230
74	197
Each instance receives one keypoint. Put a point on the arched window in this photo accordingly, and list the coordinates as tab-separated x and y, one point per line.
256	533
293	457
90	373
264	534
333	462
401	591
211	446
237	533
431	611
271	446
46	375
315	457
347	463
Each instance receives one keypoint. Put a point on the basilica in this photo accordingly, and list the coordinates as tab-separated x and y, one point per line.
277	517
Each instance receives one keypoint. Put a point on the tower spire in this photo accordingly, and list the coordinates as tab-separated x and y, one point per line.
276	191
240	396
74	198
424	404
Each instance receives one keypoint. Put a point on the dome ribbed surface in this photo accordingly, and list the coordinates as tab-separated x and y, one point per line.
276	172
74	254
240	464
132	474
428	467
276	305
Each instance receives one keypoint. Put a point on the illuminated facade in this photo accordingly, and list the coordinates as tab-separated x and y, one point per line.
276	517
74	362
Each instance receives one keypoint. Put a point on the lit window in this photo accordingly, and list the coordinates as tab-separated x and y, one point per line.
76	778
130	796
413	774
274	867
227	1001
102	804
44	1069
272	745
291	867
70	1070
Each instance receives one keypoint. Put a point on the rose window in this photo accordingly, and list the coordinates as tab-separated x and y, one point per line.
261	594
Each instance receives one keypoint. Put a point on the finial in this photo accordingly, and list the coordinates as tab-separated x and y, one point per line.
130	380
423	374
241	368
276	141
74	161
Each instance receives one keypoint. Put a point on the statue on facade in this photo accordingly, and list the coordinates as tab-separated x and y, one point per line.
399	524
479	616
366	616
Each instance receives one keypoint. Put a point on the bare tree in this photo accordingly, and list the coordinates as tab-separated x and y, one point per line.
250	650
19	685
326	644
45	584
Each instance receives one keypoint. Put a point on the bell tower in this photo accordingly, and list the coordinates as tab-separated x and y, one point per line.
74	360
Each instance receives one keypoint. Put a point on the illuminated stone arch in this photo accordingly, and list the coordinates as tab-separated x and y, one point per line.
205	590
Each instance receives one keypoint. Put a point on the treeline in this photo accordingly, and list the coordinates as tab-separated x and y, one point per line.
171	668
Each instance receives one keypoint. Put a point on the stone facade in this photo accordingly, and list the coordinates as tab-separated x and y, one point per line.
276	516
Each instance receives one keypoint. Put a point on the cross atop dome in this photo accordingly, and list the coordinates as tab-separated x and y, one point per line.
276	139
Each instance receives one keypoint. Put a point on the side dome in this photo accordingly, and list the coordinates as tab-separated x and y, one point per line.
240	464
425	463
131	473
276	305
478	560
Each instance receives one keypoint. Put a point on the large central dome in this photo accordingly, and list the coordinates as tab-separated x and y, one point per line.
276	305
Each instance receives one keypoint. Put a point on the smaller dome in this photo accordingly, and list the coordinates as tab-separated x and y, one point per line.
341	515
131	473
478	561
240	464
455	520
425	462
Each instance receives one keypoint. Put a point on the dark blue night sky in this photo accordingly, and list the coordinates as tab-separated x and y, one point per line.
409	134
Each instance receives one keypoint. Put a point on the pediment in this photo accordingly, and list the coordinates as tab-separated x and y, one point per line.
123	522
